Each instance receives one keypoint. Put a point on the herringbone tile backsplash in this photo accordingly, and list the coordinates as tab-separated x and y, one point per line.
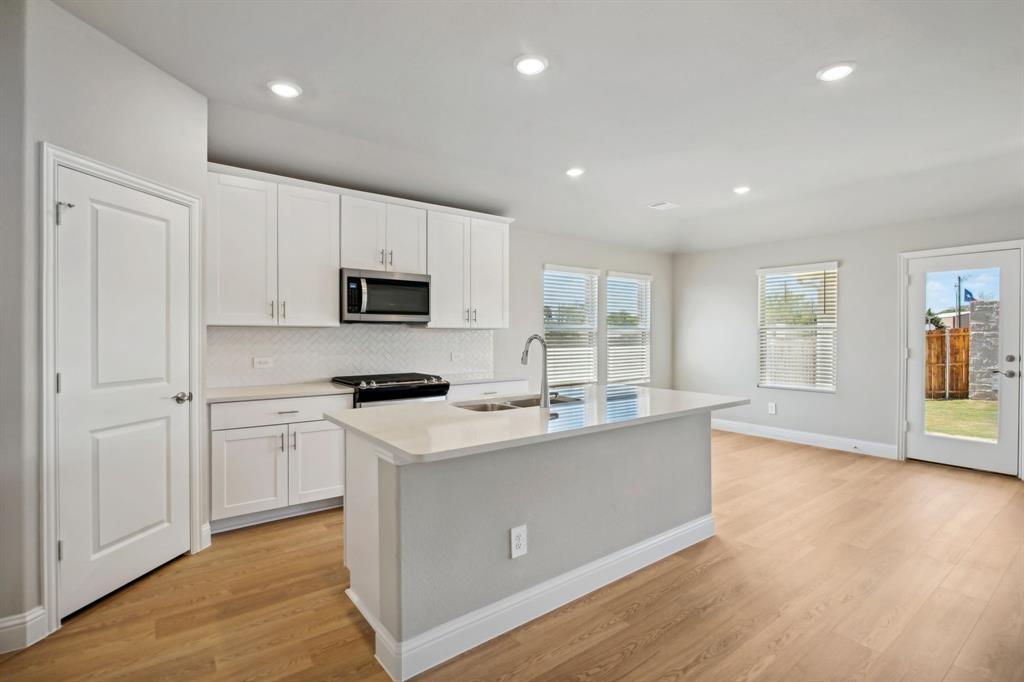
316	354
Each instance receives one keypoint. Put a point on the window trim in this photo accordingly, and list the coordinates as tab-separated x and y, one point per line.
603	305
794	269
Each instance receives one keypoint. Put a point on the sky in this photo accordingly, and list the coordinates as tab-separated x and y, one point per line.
940	292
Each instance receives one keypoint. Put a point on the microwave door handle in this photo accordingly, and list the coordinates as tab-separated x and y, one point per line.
362	305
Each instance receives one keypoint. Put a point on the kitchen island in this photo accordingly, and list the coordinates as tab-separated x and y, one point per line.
606	481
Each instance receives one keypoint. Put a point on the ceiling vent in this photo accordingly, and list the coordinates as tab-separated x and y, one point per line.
663	206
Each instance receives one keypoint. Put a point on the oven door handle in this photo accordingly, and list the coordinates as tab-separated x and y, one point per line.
362	305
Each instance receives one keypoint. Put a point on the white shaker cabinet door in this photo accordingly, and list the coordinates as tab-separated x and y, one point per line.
248	470
363	233
241	251
406	239
317	461
448	267
488	280
308	257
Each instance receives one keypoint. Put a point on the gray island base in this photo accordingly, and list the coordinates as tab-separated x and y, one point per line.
605	486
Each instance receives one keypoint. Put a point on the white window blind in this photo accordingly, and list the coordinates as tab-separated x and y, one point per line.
797	323
570	324
628	322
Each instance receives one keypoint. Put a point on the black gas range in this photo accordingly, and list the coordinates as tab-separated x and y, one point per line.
382	389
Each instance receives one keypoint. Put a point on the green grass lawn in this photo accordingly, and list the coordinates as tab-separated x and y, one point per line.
973	418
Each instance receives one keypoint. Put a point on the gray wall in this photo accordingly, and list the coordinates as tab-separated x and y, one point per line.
88	94
716	321
530	251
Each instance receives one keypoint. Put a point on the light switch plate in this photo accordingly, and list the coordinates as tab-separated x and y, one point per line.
771	408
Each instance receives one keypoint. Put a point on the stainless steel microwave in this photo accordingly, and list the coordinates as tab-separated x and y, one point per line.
374	296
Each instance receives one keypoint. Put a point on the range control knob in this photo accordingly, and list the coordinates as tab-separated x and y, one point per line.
373	384
362	384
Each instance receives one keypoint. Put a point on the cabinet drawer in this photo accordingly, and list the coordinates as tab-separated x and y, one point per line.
490	388
280	411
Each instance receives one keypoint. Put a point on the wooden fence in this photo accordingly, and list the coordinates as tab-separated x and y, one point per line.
947	363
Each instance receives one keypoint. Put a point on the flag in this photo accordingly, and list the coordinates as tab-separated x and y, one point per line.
968	296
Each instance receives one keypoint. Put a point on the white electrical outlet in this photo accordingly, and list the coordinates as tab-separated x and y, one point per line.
771	408
517	541
262	363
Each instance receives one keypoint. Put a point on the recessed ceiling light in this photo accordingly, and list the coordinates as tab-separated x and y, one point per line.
575	172
663	206
284	89
836	72
742	189
531	65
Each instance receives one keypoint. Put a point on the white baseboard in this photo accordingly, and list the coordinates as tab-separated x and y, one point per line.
205	536
256	518
22	629
821	440
405	659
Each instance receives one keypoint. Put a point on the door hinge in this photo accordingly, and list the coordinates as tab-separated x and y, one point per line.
906	426
60	206
906	353
908	280
58	382
60	550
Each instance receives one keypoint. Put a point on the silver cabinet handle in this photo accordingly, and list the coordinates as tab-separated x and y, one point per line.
474	314
382	256
1009	374
272	309
282	441
284	310
467	314
182	397
288	412
391	257
295	440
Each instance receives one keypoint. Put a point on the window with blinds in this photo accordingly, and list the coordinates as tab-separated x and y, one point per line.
628	327
570	324
797	324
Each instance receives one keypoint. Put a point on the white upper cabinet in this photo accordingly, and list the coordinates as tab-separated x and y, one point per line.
241	251
448	267
488	273
468	268
308	257
406	240
363	233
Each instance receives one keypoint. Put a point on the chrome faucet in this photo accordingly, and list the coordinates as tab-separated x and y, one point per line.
545	397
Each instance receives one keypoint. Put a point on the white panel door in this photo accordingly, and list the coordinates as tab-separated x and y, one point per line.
248	470
241	251
122	353
308	257
316	465
488	268
963	368
363	233
407	239
448	267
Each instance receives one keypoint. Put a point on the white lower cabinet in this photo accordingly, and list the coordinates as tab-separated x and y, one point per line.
272	465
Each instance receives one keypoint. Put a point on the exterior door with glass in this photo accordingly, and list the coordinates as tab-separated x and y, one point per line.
963	362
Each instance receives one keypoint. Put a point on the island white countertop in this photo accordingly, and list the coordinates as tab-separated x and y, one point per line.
431	431
274	391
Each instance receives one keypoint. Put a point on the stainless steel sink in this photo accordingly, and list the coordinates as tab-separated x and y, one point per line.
487	407
535	401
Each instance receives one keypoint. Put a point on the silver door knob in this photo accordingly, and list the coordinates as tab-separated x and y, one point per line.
182	397
1009	374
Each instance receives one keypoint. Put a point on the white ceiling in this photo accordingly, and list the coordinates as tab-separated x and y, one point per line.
657	100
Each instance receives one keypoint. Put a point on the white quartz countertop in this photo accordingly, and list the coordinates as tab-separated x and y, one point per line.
237	393
430	431
462	381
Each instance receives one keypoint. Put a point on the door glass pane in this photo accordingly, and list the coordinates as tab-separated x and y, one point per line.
961	328
397	297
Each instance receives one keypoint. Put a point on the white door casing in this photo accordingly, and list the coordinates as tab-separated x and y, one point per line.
122	351
1002	455
363	233
248	470
488	274
406	239
448	267
308	257
241	251
316	464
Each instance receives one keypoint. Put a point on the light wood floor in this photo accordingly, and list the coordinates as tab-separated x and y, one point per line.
826	566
